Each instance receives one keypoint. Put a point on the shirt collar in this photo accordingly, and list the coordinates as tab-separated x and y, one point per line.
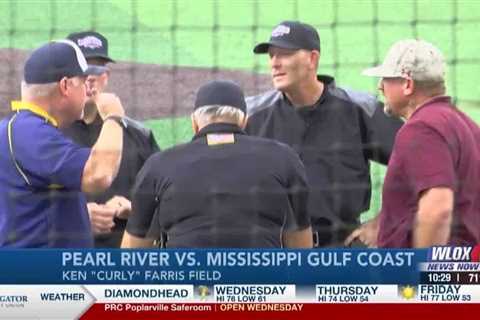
33	108
218	128
432	101
328	82
97	122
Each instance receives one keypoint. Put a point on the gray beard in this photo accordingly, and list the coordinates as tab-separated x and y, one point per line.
387	110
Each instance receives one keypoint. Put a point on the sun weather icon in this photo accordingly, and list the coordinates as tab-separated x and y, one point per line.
407	292
203	292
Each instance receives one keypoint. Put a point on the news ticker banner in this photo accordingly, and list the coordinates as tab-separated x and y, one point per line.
218	283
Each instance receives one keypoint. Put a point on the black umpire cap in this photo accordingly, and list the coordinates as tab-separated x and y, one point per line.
291	35
92	44
221	92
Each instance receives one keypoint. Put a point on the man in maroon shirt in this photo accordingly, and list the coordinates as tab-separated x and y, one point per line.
431	193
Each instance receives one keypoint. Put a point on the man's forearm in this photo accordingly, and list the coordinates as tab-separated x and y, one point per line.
433	219
109	147
429	232
104	161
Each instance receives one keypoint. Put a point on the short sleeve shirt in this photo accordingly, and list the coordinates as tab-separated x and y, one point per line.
439	146
223	189
41	203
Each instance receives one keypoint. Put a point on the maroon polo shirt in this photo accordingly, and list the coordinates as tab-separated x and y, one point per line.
439	146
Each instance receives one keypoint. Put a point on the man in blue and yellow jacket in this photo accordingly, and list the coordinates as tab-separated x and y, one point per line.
43	173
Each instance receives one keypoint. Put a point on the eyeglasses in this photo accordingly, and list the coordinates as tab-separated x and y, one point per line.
100	63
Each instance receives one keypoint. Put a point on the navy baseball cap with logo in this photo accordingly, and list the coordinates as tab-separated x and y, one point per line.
54	61
92	44
221	92
291	35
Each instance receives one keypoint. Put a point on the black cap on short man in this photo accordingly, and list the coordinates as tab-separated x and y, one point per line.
92	44
54	61
222	93
291	35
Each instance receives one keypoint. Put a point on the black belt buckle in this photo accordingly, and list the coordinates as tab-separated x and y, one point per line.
161	242
315	239
330	237
322	238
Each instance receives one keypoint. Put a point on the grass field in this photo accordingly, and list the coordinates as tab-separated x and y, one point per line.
354	34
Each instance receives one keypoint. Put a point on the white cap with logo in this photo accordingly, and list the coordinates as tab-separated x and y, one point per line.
415	59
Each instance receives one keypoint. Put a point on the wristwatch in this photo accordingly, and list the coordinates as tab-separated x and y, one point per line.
118	119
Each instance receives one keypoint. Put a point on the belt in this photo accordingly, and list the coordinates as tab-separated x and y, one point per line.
161	241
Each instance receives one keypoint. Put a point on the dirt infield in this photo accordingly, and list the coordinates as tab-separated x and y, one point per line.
146	90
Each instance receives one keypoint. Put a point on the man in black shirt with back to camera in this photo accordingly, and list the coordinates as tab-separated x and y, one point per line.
224	188
109	210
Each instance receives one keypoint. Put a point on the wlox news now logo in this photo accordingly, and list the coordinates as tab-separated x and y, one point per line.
454	254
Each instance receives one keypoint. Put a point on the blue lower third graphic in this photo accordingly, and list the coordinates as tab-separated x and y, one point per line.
209	267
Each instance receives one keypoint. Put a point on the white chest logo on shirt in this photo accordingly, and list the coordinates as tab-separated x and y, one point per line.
280	31
90	42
